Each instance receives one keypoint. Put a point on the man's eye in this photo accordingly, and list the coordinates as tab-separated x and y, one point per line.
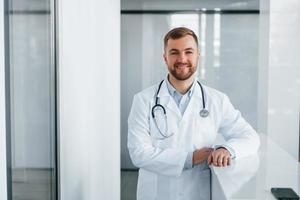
189	52
174	53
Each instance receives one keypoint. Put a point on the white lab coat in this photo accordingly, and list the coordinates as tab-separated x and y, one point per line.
161	162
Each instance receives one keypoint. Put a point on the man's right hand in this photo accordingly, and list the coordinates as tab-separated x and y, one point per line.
201	155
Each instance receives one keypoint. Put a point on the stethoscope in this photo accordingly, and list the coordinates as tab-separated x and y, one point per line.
203	112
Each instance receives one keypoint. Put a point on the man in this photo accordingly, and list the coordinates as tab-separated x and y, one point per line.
172	127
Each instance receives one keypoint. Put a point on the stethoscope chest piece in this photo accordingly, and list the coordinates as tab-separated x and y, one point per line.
204	113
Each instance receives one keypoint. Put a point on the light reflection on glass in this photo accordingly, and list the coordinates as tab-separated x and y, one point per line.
202	46
190	21
217	42
271	111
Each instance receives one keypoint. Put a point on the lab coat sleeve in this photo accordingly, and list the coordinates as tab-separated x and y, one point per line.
239	135
168	161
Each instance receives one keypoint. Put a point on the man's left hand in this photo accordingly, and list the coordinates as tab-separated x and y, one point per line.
219	158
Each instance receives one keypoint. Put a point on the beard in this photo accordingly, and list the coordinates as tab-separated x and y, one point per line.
182	71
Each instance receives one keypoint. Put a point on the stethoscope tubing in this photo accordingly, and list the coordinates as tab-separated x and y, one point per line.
203	112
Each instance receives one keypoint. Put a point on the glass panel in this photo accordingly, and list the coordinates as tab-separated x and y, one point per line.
32	90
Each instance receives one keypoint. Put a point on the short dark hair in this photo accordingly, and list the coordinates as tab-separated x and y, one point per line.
179	32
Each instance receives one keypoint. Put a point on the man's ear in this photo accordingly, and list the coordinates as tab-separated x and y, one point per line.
165	57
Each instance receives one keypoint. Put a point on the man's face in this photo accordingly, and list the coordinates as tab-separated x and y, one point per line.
181	56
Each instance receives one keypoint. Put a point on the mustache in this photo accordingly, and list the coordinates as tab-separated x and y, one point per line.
177	64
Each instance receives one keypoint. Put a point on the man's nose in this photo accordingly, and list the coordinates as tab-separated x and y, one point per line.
182	57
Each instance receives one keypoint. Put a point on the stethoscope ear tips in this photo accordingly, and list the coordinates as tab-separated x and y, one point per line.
204	113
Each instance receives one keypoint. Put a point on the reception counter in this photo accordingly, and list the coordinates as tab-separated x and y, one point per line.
253	177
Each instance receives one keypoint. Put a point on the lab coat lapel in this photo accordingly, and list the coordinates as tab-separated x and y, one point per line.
195	104
167	101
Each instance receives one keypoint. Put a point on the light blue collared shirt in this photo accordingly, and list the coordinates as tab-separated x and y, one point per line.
182	101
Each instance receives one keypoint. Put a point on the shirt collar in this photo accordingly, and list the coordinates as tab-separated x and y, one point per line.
173	91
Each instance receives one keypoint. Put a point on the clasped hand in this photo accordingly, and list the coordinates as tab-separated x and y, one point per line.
219	157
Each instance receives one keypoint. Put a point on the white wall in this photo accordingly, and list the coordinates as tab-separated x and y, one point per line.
283	72
89	99
3	179
263	63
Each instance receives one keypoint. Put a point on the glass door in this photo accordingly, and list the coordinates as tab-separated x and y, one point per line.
31	75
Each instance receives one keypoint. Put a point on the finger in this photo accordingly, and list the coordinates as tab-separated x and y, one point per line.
225	161
229	160
220	160
215	159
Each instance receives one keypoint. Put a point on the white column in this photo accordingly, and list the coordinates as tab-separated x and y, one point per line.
89	99
284	74
263	69
3	178
279	73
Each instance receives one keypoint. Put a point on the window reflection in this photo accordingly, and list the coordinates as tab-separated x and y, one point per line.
32	93
217	42
188	20
202	39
